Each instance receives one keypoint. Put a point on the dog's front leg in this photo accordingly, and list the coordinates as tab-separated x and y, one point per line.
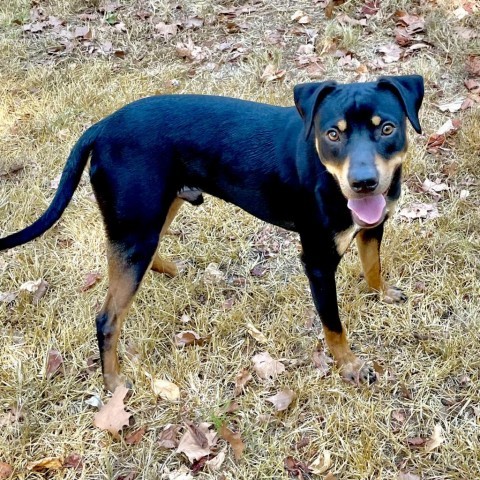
323	288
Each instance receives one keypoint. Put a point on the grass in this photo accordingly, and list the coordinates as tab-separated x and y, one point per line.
428	346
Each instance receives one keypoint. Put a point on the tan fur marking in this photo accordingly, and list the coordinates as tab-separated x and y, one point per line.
369	251
386	169
344	239
376	120
338	345
121	290
160	264
342	125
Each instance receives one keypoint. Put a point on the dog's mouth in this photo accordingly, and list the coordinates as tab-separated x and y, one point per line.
369	211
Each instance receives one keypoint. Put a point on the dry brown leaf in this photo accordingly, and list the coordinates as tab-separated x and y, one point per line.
473	65
345	20
282	399
234	439
256	333
193	22
168	437
416	442
270	74
73	460
166	390
266	367
330	476
8	297
434	188
166	30
112	416
300	17
215	463
435	440
241	379
322	463
90	280
54	362
183	473
370	8
296	468
391	53
197	441
407	476
37	288
47	463
136	436
83	33
453	106
419	210
6	470
213	275
191	51
322	362
189	337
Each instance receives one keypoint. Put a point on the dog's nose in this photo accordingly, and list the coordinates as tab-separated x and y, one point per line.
364	185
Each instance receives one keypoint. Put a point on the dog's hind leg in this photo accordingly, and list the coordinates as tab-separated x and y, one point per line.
128	259
160	264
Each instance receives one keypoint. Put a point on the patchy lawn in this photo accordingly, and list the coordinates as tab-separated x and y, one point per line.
66	64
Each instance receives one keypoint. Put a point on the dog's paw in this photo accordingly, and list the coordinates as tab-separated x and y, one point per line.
393	295
112	381
357	372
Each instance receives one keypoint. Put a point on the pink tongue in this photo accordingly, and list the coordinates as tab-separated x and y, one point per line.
368	209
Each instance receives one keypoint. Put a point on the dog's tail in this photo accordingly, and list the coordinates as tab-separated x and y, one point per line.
68	183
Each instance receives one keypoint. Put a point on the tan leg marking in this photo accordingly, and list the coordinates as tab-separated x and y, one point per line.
369	251
159	264
352	369
344	239
121	291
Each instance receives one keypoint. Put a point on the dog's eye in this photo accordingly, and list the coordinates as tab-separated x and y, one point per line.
387	129
333	135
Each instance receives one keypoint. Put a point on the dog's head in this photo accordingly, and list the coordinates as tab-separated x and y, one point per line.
359	132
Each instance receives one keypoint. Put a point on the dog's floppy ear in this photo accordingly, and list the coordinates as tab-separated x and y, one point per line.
307	97
410	89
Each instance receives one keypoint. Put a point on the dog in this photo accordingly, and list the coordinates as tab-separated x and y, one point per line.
328	168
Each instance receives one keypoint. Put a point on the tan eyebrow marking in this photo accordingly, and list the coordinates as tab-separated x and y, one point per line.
376	120
342	125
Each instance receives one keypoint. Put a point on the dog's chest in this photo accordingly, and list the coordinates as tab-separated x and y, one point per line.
344	238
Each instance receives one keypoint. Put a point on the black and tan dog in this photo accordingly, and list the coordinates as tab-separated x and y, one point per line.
331	173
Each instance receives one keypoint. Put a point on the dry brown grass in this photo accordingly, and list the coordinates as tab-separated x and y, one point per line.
428	346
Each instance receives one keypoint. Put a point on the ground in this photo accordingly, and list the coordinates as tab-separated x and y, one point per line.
66	64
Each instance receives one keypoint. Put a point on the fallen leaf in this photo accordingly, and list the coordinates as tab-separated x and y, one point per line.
47	463
166	390
300	17
6	470
54	362
234	439
434	188
266	367
416	442
8	297
183	473
166	30
370	8
453	106
193	22
241	379
11	170
345	20
215	463
473	65
168	437
407	476
37	287
136	436
90	280
302	443
322	362
330	476
83	33
213	275
197	441
282	399
129	476
189	337
271	74
296	468
419	210
112	416
322	463
391	53
94	401
256	334
73	460
191	51
435	440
